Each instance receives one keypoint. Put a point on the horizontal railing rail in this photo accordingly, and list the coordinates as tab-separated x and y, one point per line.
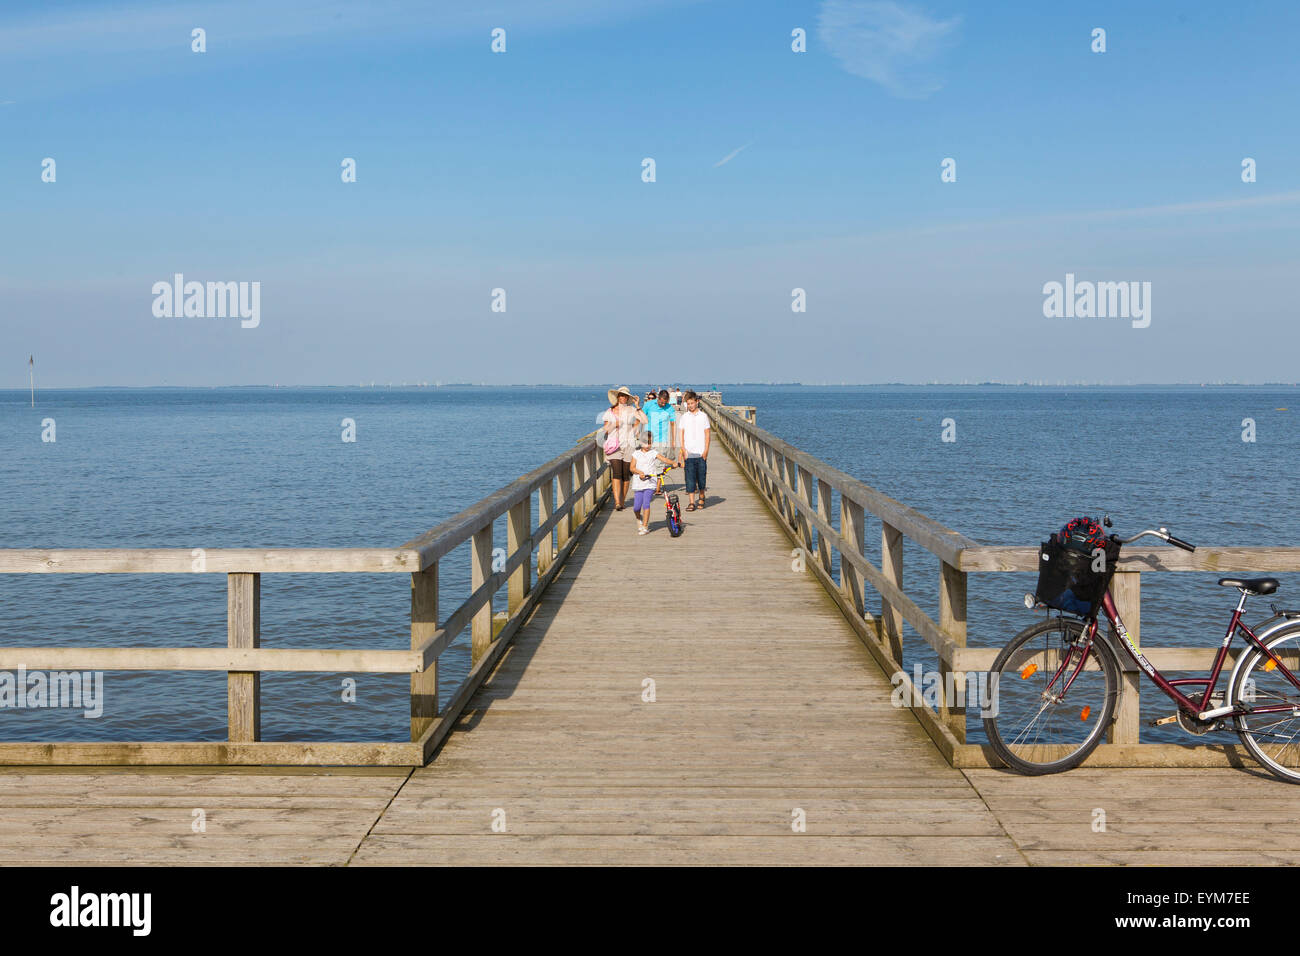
568	490
800	489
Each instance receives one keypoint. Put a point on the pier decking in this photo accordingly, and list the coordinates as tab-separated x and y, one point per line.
766	703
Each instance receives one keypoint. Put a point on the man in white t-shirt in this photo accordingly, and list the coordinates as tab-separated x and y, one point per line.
694	431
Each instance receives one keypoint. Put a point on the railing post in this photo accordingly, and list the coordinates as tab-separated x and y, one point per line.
564	530
778	467
1126	589
852	540
805	495
952	619
545	509
579	477
424	624
590	465
519	521
243	629
824	512
891	566
773	494
480	571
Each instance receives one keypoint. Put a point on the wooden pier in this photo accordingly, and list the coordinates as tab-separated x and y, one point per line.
752	722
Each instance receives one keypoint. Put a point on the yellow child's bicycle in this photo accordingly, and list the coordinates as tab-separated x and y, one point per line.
659	484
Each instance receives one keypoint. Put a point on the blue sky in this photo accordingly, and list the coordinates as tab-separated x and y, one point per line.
522	171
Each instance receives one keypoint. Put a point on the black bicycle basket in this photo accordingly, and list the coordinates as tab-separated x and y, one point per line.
1067	580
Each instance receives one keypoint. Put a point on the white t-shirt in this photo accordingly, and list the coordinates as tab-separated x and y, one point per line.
692	426
647	461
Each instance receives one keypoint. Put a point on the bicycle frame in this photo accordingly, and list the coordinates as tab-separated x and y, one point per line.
1193	705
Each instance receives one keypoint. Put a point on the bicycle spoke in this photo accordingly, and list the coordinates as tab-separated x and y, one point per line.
1039	724
1274	736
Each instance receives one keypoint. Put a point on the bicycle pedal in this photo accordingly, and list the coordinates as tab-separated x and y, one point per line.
1172	718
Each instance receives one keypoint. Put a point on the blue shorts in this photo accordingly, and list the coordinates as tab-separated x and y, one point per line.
696	470
641	499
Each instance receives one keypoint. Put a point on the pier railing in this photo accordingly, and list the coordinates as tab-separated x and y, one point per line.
804	492
567	491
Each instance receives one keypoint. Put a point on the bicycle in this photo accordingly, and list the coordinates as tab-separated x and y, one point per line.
659	486
1053	723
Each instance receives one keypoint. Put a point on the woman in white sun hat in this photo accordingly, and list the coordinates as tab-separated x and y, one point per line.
621	422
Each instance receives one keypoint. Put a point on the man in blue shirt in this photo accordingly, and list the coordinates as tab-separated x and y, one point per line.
662	419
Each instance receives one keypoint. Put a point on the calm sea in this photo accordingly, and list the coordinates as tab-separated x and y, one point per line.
267	467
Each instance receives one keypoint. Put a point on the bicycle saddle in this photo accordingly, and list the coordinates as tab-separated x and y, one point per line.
1251	585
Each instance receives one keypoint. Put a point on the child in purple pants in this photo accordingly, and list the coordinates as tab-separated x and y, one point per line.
645	468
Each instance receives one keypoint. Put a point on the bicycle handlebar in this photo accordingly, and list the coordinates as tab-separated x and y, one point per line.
1164	535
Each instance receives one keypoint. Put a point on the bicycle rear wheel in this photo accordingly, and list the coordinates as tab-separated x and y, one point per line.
1272	738
1048	713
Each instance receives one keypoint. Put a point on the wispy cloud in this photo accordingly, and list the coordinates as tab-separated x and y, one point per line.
1134	212
138	26
732	155
886	42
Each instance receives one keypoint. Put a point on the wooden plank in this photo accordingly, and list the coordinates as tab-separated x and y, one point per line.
494	849
891	568
824	512
211	659
244	631
545	511
185	753
804	478
424	624
952	618
868	631
207	560
435	734
563	709
564	529
852	541
943	644
1224	561
1125	588
519	522
480	566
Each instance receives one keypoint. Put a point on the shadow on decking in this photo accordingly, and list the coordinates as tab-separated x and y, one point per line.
531	634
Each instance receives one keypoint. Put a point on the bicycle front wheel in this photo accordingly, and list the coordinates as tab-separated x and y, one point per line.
1270	727
1048	712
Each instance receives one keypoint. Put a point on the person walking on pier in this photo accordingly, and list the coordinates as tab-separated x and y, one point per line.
621	421
663	426
694	430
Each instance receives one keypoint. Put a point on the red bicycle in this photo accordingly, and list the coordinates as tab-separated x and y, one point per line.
1053	689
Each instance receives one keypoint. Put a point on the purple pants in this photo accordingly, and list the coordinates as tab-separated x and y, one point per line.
641	499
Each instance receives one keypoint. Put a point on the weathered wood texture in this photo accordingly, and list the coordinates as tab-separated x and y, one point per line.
244	659
143	817
1146	817
765	703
